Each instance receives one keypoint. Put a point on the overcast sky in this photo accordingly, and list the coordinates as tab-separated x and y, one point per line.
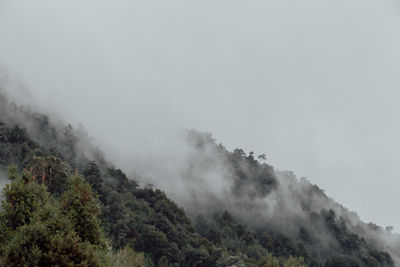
313	84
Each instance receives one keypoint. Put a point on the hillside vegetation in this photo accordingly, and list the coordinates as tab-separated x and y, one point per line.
66	205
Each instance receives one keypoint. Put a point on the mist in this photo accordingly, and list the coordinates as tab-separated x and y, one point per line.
313	84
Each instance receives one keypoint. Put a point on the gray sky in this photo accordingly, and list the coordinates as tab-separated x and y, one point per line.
314	84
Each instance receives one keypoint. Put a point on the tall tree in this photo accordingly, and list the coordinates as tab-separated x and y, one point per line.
80	205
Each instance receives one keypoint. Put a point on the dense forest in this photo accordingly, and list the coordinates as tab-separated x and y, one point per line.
65	204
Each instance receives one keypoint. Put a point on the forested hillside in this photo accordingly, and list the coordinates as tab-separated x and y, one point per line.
258	216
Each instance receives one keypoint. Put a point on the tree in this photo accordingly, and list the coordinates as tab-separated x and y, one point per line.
49	242
128	257
82	208
343	261
295	262
51	171
268	261
35	231
91	173
21	199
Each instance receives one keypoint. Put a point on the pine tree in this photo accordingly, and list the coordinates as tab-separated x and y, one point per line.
79	204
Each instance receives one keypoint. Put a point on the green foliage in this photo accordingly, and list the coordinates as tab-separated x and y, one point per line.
16	146
21	199
49	243
92	175
37	231
295	262
343	261
56	222
51	171
12	172
268	261
128	257
82	208
229	260
271	261
371	261
147	220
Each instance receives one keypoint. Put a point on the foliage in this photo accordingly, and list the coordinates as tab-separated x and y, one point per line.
128	257
80	206
51	171
35	230
271	261
268	261
59	221
295	262
22	199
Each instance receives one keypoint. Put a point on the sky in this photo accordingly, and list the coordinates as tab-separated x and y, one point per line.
313	84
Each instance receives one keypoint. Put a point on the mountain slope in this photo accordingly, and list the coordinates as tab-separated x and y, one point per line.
250	210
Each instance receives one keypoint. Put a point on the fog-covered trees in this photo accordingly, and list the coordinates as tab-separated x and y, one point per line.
51	217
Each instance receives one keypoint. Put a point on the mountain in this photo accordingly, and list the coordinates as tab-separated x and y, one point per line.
221	208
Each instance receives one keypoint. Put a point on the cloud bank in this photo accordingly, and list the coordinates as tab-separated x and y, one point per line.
314	84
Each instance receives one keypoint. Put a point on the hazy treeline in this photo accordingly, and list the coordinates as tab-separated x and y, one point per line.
238	210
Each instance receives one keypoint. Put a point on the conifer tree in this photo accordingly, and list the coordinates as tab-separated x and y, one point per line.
37	230
80	205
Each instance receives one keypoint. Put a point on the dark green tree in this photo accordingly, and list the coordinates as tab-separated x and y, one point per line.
51	171
80	205
35	231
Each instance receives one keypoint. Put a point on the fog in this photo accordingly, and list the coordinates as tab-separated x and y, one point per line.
313	84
